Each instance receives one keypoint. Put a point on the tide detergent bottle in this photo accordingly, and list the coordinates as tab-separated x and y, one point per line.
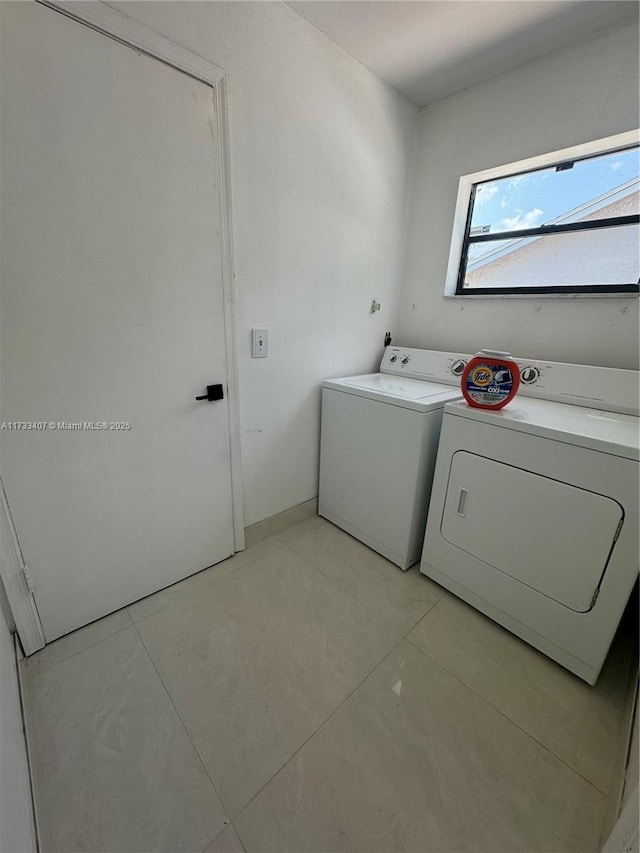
490	380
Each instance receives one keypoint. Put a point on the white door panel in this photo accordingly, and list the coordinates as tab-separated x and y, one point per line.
111	311
564	534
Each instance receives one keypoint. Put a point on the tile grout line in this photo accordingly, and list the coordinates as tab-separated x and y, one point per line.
132	621
222	831
334	583
339	589
508	719
188	734
199	589
186	594
86	648
331	715
352	595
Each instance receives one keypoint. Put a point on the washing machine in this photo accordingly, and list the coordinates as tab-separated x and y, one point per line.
534	511
379	440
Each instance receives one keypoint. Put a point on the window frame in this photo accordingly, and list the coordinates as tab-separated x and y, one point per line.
460	238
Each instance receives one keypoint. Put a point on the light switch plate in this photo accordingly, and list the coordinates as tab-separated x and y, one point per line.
259	343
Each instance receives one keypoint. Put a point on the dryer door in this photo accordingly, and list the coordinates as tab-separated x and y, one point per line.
552	536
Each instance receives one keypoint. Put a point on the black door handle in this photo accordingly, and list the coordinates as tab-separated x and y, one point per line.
214	392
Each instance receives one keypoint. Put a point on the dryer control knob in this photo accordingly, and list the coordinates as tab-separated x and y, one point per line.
404	359
529	375
458	366
393	359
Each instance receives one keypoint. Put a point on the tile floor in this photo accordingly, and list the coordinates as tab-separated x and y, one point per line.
306	695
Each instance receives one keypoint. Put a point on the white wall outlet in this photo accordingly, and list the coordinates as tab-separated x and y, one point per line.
259	343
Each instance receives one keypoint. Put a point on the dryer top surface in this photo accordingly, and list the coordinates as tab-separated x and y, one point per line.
607	432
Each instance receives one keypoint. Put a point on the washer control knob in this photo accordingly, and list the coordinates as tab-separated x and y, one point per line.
404	359
393	359
530	375
458	366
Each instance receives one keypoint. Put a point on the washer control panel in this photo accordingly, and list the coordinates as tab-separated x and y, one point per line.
458	366
606	388
431	365
529	374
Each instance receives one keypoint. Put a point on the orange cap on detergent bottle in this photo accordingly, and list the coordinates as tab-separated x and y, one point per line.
490	380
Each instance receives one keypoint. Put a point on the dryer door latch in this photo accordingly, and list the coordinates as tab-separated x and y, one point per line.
463	501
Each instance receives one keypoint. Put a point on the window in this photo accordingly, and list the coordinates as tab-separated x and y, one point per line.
565	223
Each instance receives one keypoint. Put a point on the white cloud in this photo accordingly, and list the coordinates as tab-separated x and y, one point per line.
523	220
485	193
516	180
617	164
505	202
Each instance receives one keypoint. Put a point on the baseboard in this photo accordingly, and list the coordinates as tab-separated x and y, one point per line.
277	523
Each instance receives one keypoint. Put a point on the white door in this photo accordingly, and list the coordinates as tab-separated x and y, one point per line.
111	312
554	537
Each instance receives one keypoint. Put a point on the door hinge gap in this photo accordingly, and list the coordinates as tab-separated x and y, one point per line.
28	580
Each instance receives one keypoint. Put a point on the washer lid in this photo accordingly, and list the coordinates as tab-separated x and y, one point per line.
607	432
396	390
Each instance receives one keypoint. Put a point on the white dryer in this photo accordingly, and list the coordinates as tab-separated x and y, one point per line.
378	448
534	512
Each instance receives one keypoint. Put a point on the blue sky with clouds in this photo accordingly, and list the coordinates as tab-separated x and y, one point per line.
526	201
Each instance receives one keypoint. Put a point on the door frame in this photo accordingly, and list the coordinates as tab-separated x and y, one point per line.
121	28
14	576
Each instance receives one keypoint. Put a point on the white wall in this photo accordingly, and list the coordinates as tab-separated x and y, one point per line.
16	834
319	151
585	92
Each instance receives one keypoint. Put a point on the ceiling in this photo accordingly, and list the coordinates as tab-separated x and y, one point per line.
430	49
